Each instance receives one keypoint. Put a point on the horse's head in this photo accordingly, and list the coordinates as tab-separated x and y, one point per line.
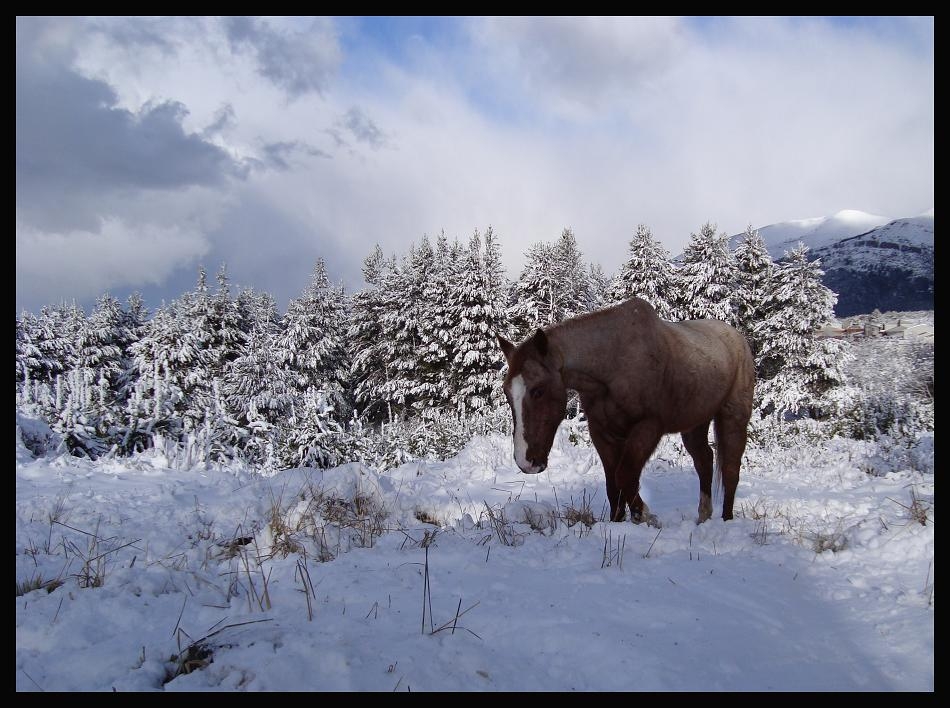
537	396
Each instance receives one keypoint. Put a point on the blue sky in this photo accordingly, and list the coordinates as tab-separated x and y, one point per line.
147	147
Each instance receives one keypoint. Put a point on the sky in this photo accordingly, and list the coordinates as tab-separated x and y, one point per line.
147	147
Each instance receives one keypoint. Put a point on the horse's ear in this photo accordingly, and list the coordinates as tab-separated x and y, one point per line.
506	347
540	340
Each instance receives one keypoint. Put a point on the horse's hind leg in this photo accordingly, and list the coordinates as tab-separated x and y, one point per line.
730	444
697	445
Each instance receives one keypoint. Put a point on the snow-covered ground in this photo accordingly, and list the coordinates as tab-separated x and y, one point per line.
824	581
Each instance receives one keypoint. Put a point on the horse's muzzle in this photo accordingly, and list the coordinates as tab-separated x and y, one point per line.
535	469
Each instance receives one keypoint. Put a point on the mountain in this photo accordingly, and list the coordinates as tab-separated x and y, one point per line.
870	261
888	268
818	232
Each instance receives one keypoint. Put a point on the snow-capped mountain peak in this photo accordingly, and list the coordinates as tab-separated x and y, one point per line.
819	231
871	261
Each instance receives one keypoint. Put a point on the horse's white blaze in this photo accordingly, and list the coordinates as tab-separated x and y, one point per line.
517	404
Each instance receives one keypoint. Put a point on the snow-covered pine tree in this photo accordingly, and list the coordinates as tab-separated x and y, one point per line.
311	340
83	405
311	347
55	335
256	308
212	339
258	385
314	437
534	296
58	336
497	287
227	335
574	296
102	363
180	361
105	341
647	273
477	320
437	347
404	318
553	285
32	368
135	315
136	312
366	335
160	360
796	370
754	271
706	280
41	355
597	296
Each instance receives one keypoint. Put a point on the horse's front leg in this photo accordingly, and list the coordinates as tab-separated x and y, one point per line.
610	449
638	446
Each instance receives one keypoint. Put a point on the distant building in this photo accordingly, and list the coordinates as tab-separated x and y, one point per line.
878	325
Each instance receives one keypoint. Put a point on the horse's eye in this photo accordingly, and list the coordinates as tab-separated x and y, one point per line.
537	392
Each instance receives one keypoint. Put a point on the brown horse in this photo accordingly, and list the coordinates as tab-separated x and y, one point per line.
639	378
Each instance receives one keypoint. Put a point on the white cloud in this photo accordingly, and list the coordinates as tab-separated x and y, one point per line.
578	66
532	126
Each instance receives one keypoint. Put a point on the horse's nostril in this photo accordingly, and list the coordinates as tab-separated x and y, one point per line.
543	466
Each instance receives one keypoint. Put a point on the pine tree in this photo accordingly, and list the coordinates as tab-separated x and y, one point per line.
50	343
367	337
57	339
310	348
497	284
554	285
437	346
135	314
218	339
314	436
105	338
598	294
754	272
101	369
311	339
797	370
32	366
477	320
226	339
574	295
497	287
256	309
535	295
707	278
403	319
259	387
160	361
180	362
647	273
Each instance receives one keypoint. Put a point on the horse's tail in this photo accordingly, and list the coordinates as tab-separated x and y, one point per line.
717	492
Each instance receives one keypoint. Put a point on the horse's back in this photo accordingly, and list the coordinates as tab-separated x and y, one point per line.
712	362
711	337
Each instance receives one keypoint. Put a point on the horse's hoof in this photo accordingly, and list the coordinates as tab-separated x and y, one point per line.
705	508
650	519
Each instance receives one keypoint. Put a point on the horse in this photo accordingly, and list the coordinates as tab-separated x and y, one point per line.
639	378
